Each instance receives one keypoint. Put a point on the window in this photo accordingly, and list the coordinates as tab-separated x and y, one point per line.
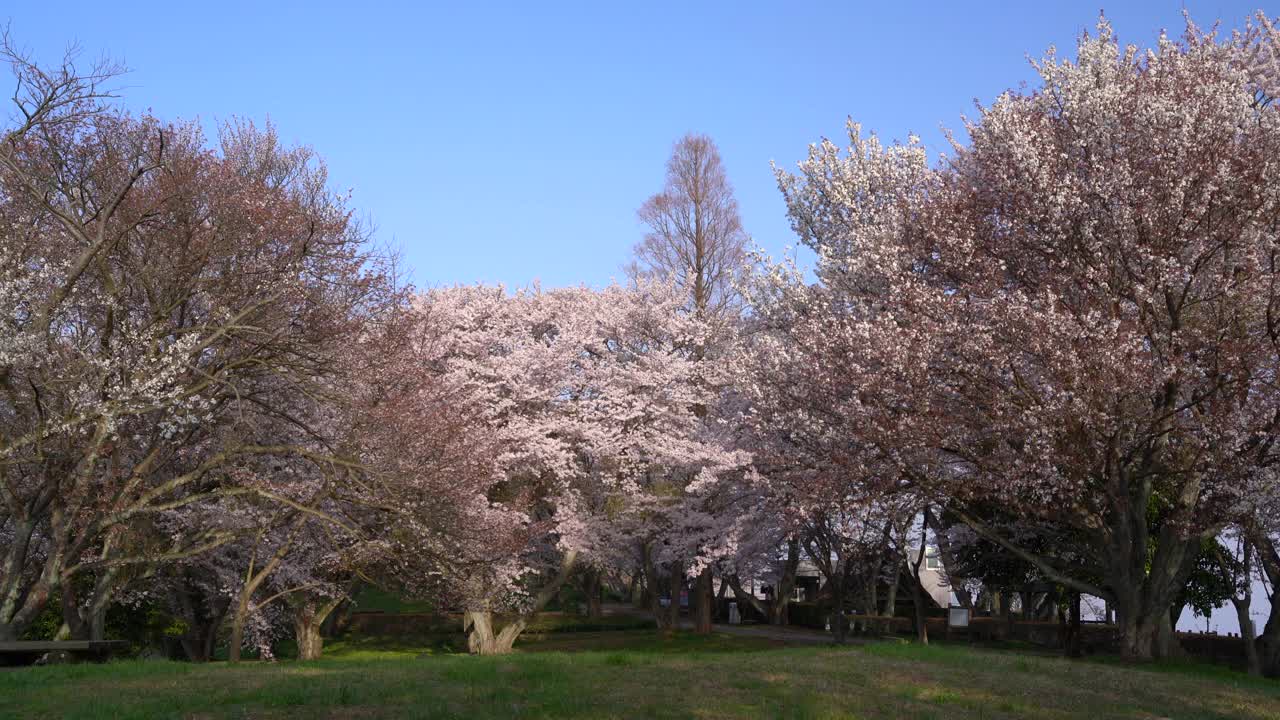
933	562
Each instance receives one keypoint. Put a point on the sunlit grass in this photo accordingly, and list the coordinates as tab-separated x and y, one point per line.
641	674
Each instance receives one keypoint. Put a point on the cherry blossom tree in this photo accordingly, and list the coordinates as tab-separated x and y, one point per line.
526	433
1073	317
164	306
465	432
803	374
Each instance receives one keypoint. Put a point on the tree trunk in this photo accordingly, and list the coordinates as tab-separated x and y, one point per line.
1145	591
890	607
839	627
477	622
917	588
16	556
308	619
1268	643
745	598
306	631
1140	636
1247	633
653	583
238	618
786	584
199	640
203	618
702	604
98	623
675	584
252	581
73	624
718	607
37	597
1073	632
634	590
592	589
482	640
104	588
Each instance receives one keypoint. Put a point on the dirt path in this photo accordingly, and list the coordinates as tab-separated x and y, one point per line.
791	635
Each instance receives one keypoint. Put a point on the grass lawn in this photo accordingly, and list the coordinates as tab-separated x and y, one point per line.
378	600
642	674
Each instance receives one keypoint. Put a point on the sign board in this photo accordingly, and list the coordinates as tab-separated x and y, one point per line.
958	617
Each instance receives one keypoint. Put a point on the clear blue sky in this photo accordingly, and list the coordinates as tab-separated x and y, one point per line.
508	143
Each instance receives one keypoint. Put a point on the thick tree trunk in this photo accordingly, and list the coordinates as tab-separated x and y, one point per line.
308	619
306	632
11	578
477	622
37	597
1146	637
1268	643
702	604
1146	584
481	638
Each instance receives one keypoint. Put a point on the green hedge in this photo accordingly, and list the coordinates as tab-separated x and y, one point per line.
810	615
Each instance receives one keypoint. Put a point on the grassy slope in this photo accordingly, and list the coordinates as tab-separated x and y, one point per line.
642	674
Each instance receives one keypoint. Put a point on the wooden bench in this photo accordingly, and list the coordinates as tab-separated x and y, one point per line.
26	652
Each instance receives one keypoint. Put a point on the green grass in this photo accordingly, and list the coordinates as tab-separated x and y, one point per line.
372	599
446	636
641	674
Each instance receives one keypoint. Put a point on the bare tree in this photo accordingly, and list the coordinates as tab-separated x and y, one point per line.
696	238
695	233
